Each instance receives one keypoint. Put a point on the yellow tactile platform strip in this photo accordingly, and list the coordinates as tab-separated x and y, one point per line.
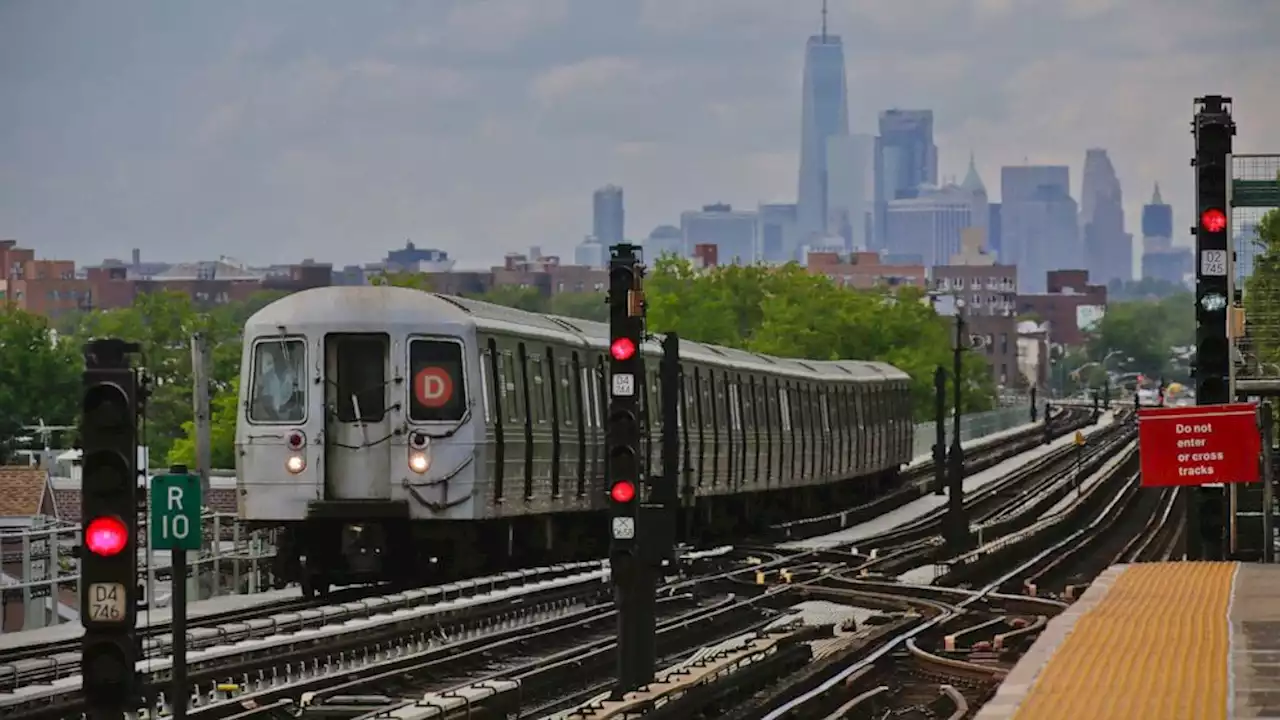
1145	642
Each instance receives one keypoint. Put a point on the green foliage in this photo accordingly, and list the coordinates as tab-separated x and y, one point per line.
163	323
414	281
39	375
1262	295
790	312
222	432
1145	331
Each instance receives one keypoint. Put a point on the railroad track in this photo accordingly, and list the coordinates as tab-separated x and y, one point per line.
257	676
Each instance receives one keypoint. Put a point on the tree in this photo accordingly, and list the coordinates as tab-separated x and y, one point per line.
1144	289
1262	298
411	280
39	376
224	411
584	305
1146	331
790	312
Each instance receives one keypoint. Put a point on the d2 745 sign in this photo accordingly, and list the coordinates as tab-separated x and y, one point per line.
1199	445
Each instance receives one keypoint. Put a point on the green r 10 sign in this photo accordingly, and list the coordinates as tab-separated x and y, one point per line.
175	512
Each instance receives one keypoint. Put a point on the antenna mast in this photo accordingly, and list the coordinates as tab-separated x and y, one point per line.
824	22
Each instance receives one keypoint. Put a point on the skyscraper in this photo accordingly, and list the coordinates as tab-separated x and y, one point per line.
1039	224
1161	259
905	159
1108	249
824	114
608	219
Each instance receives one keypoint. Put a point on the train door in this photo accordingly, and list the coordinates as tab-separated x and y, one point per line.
358	428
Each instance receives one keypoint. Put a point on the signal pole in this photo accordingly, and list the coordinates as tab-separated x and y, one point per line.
1213	129
956	518
634	580
109	515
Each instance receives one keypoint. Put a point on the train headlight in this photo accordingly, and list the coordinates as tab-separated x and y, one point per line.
419	462
295	464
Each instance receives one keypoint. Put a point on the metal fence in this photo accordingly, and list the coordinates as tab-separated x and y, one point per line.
40	580
973	426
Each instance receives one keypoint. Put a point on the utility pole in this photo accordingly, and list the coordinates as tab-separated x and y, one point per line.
959	523
201	368
940	431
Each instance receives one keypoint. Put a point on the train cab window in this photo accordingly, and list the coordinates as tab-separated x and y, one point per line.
278	393
438	392
362	377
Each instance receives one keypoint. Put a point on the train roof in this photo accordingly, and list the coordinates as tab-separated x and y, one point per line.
364	306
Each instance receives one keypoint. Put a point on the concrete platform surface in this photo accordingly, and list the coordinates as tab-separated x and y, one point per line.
1158	641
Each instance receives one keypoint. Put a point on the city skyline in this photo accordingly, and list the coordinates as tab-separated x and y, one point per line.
272	134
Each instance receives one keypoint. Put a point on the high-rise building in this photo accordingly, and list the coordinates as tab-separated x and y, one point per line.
664	240
994	225
590	253
824	114
732	232
929	226
905	159
1108	249
1161	259
1039	230
979	205
777	232
608	219
849	188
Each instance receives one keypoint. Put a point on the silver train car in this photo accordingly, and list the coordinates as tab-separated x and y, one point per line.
400	435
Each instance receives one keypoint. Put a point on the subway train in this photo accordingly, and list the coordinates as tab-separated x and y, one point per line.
397	435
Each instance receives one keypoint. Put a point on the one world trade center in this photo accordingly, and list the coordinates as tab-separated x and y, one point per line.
824	115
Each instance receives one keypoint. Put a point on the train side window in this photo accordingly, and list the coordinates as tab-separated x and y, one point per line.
564	378
435	365
735	415
486	392
278	392
784	407
826	411
584	389
538	389
723	422
511	398
708	417
597	409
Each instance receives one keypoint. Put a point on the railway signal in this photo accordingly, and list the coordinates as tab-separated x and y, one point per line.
1213	129
109	557
633	579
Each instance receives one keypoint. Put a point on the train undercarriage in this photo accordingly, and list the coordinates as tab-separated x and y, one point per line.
320	553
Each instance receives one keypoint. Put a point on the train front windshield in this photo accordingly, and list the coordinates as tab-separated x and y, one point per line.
438	391
278	392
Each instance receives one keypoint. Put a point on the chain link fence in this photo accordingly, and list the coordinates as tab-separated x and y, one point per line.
972	427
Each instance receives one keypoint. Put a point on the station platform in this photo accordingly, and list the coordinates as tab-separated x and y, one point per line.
1159	641
922	506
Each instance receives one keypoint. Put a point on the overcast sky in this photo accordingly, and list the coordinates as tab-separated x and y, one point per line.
271	130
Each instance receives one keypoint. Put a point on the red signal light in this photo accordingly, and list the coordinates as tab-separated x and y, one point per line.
106	536
1213	220
622	349
623	492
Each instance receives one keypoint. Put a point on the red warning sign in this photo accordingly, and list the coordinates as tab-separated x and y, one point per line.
1199	445
432	387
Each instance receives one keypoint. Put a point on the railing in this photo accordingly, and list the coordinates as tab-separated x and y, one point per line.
972	427
41	570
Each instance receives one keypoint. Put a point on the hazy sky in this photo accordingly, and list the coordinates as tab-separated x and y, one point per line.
270	130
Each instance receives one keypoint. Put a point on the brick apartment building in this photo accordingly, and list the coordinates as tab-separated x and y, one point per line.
1068	292
989	291
865	271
